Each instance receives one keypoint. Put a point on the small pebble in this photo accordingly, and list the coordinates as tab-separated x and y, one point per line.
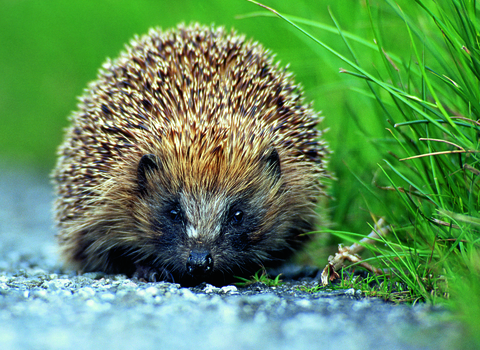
229	289
350	292
210	289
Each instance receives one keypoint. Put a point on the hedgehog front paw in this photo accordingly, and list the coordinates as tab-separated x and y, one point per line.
152	274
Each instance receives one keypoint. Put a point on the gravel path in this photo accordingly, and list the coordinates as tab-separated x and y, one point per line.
43	306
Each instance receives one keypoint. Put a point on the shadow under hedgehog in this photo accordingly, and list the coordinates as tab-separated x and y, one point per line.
193	157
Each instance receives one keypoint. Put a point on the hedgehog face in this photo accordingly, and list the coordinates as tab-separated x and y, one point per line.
206	236
203	234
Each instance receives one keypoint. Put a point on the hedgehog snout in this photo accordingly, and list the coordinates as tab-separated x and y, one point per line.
199	263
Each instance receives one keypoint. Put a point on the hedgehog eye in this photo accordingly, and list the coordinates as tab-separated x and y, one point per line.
175	214
237	217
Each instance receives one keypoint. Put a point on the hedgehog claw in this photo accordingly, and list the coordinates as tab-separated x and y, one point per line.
152	274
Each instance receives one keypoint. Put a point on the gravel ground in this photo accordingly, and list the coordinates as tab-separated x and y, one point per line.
43	306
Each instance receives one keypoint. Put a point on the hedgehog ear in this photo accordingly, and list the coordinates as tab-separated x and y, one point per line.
272	161
148	164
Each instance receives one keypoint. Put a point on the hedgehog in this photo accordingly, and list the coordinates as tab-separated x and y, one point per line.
192	158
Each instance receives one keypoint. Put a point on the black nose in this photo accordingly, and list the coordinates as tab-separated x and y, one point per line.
199	263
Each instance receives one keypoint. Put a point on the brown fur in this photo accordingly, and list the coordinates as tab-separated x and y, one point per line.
214	111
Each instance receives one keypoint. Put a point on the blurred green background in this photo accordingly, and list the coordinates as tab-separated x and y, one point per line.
50	50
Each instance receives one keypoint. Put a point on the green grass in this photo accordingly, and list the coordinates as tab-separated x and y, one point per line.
370	285
427	184
260	276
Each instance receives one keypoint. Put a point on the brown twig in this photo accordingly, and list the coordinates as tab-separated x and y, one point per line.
350	253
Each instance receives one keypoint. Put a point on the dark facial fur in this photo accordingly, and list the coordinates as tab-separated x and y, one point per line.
192	158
